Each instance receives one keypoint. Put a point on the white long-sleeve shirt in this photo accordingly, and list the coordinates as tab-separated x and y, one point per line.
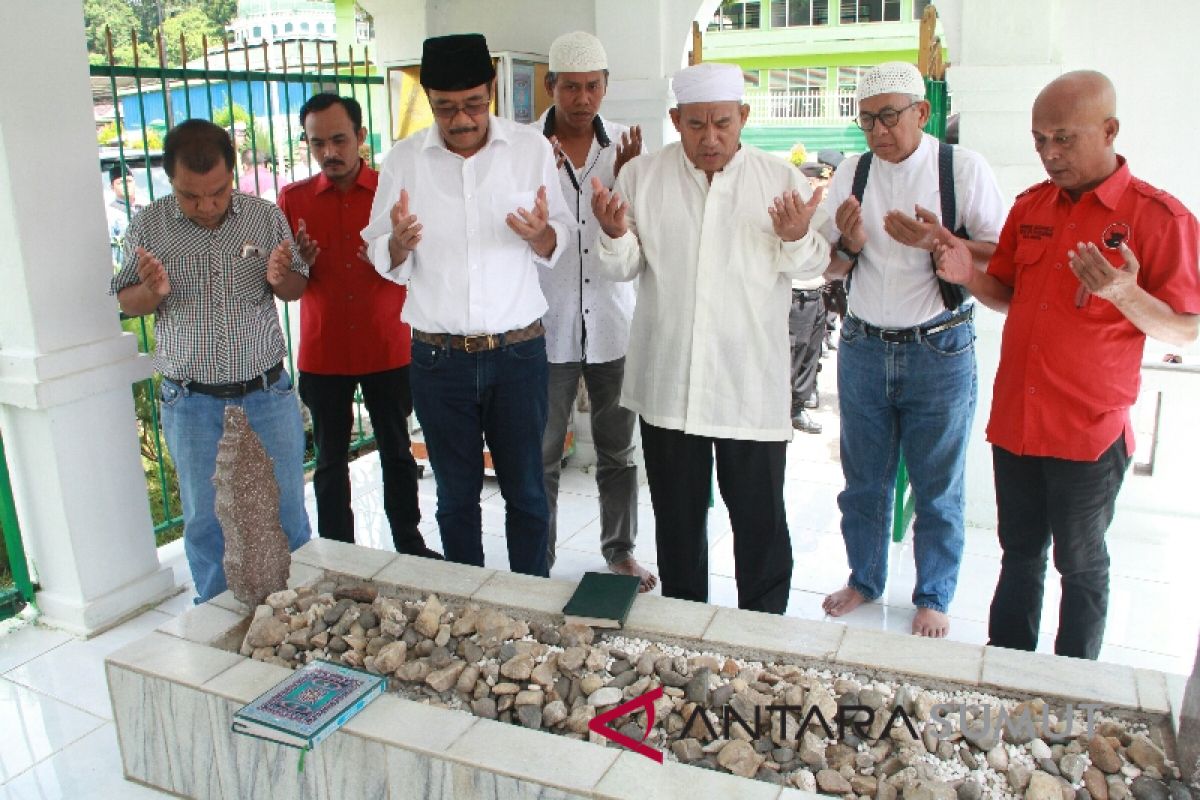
582	301
470	274
708	352
893	285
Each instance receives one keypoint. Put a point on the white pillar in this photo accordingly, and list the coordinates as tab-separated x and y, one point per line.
66	369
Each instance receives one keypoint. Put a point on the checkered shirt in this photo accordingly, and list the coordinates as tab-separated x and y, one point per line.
219	322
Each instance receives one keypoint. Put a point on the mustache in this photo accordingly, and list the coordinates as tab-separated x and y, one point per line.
333	162
465	129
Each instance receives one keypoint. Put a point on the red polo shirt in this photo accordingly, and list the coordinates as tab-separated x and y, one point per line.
349	315
1070	364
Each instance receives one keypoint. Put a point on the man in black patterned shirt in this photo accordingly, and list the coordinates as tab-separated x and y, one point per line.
209	262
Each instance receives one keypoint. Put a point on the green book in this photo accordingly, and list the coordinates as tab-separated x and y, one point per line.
309	705
602	599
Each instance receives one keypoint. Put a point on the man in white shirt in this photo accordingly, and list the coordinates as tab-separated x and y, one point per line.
464	214
715	231
906	355
587	326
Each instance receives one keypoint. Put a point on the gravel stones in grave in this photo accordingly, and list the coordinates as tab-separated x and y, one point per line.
773	722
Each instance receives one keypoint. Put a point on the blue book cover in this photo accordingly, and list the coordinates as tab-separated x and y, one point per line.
309	704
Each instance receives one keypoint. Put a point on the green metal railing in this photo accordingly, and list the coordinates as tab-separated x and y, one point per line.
902	516
12	598
217	89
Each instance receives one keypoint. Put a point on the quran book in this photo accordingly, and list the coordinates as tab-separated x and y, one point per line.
309	704
602	599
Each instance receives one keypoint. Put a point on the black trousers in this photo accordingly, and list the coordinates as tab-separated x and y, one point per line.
679	470
330	400
1042	500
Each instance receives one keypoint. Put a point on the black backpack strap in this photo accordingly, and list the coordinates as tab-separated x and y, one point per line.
861	171
952	294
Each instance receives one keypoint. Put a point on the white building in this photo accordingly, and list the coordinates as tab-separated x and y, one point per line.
270	21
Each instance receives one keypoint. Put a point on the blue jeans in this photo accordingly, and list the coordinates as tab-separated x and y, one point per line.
499	395
193	424
918	397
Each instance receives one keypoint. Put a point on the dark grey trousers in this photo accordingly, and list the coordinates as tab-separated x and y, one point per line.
612	433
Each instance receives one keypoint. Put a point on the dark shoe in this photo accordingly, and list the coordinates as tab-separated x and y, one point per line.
814	401
803	422
425	552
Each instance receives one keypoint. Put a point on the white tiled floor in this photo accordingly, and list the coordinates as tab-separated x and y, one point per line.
57	739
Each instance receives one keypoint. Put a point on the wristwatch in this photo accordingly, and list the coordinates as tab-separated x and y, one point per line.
851	255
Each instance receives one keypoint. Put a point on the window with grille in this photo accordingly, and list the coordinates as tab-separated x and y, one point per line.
847	82
855	11
798	93
794	13
737	16
751	78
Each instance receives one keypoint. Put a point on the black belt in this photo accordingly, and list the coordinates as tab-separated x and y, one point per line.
916	334
237	388
806	294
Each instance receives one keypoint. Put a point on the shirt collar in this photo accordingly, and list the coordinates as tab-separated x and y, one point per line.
1109	192
367	178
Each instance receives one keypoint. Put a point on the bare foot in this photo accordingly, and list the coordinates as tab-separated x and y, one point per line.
630	566
933	624
843	601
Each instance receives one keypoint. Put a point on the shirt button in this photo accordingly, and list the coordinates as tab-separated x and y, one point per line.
587	311
1032	390
349	297
1034	347
587	280
1071	226
1043	306
1058	266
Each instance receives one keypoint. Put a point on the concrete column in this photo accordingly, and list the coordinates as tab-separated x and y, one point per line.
66	406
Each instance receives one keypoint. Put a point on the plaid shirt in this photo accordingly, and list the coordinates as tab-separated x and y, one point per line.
218	324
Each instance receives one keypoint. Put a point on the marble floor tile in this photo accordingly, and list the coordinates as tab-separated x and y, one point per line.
87	769
36	727
24	640
74	672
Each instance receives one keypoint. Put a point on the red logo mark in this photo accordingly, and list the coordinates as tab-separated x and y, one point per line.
600	724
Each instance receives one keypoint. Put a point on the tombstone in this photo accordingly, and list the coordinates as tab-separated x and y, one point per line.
257	560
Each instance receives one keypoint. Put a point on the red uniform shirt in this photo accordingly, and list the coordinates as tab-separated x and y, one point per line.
349	315
1070	362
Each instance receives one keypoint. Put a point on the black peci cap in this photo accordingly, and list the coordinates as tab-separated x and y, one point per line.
456	62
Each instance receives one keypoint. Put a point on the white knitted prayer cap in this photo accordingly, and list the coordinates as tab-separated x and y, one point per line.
709	82
577	51
892	77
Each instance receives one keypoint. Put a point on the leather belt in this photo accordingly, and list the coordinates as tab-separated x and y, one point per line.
916	334
479	343
237	388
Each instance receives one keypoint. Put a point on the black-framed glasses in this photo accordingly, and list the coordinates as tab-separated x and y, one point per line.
890	117
477	109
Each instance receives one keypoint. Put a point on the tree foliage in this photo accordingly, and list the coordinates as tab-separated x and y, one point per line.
190	18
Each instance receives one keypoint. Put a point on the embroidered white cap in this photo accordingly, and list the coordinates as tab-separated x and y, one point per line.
577	51
892	77
709	82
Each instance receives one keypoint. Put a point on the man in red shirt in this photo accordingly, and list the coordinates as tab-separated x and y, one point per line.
1089	263
350	329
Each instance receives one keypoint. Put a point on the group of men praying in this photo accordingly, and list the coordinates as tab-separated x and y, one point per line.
489	267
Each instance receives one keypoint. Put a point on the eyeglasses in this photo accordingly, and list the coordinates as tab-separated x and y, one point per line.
890	117
470	109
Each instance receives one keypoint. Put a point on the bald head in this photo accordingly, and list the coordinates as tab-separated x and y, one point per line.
1075	129
1082	92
